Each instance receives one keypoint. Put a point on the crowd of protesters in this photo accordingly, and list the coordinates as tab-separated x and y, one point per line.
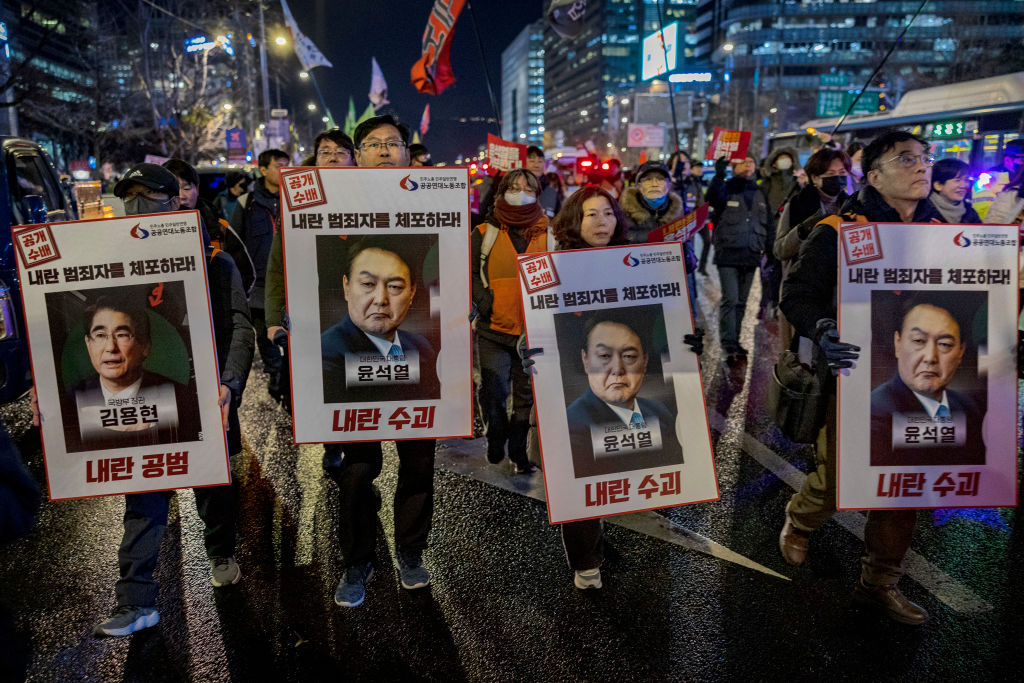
773	220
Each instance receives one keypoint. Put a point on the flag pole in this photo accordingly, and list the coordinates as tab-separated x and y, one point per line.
320	95
483	61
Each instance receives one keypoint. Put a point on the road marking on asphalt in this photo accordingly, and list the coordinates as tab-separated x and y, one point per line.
937	582
465	457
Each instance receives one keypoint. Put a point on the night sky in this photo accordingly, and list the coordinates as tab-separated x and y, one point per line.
350	32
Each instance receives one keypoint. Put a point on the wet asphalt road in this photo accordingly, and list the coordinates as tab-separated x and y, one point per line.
502	606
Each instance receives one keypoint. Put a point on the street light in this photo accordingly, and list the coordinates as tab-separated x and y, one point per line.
728	47
311	106
281	40
325	119
227	106
303	75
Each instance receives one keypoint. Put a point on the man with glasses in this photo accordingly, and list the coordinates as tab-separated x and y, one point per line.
333	148
897	168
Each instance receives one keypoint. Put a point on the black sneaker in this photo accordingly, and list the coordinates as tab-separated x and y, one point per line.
351	589
126	620
411	570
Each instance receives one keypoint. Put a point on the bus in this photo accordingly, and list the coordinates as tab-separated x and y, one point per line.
971	121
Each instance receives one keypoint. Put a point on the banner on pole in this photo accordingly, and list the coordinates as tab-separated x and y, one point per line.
619	402
382	351
923	417
731	144
123	354
432	72
504	155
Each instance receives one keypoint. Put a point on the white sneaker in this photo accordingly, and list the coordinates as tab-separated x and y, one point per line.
587	578
224	571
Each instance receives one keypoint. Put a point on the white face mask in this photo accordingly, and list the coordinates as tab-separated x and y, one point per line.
784	163
855	169
519	198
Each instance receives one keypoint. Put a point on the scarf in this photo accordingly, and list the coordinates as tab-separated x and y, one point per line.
517	216
952	212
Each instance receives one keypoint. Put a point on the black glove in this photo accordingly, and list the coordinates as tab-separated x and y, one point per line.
838	354
527	356
720	165
695	341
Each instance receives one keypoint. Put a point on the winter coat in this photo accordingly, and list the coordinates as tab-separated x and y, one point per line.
741	221
642	218
778	186
256	223
799	216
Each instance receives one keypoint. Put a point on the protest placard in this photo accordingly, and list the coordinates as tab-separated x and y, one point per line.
926	417
504	155
731	144
681	229
619	402
123	356
377	288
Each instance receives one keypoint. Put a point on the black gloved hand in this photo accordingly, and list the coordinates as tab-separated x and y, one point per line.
838	354
695	341
720	165
527	356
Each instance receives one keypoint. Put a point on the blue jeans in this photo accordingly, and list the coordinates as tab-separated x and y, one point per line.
736	281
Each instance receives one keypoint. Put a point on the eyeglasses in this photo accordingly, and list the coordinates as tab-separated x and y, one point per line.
121	337
340	152
910	160
388	145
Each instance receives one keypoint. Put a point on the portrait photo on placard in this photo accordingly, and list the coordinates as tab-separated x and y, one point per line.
123	357
928	398
620	408
380	334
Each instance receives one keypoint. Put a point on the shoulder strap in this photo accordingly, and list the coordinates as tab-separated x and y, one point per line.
490	237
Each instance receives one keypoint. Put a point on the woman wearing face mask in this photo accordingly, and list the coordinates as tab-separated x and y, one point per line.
951	180
827	172
779	182
516	224
650	203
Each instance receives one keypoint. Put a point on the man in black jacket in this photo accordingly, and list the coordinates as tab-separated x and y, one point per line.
148	188
898	169
740	235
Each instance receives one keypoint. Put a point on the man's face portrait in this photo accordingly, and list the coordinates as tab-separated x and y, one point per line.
379	291
115	350
615	363
928	350
383	146
901	173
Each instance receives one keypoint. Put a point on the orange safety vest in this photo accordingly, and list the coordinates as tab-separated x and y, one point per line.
503	279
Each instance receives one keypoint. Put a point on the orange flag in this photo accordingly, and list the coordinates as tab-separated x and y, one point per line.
432	72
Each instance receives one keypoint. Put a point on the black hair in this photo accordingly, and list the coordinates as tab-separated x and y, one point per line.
182	170
120	303
950	302
884	144
534	150
408	253
372	124
949	169
632	317
417	149
266	156
819	162
338	137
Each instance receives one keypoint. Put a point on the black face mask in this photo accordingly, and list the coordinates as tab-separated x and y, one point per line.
832	185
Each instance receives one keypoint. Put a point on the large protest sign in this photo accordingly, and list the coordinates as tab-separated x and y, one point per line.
504	155
377	288
619	401
927	417
123	354
731	144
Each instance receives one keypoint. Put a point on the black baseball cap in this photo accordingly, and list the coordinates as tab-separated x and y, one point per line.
651	167
150	176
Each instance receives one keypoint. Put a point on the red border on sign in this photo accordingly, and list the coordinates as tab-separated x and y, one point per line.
846	227
35	228
287	173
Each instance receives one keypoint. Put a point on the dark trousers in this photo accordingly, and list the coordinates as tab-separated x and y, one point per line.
145	520
736	281
583	543
269	352
501	369
414	496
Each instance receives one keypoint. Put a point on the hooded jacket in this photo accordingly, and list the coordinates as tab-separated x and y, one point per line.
642	218
778	186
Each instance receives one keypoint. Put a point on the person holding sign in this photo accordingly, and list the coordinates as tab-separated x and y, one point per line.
381	141
898	170
928	347
117	339
517	224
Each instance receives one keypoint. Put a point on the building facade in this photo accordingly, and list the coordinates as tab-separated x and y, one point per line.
522	87
791	53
